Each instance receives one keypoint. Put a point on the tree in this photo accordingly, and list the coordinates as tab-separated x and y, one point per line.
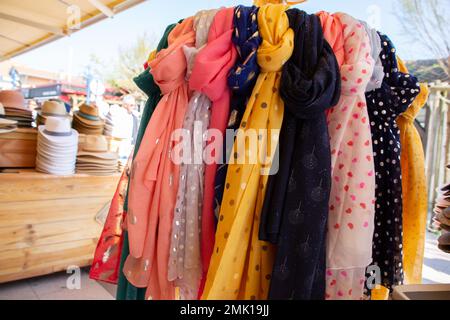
425	21
129	63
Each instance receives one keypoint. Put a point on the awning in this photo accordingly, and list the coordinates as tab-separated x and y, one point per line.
28	24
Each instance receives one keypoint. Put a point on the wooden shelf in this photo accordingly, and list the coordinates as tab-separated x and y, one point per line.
47	222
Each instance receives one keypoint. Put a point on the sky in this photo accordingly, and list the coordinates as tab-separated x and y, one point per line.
71	54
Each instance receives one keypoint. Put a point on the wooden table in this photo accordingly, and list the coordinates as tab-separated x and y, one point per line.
47	222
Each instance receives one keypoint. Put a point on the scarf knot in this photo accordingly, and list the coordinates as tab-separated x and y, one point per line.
375	43
276	48
214	61
310	81
398	89
202	21
358	64
333	31
169	66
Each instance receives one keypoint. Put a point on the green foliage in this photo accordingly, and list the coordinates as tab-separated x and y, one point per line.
128	63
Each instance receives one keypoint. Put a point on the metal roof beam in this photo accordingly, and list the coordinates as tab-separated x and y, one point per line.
103	8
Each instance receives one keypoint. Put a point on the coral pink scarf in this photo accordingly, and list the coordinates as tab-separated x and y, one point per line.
154	177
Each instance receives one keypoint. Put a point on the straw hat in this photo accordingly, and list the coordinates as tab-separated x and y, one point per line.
96	146
56	169
94	158
88	116
51	108
6	125
58	131
57	146
12	99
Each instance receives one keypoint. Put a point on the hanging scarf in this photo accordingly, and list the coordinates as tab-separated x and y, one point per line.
241	80
154	181
209	76
375	45
296	204
351	205
414	188
105	265
397	92
184	261
334	34
125	290
241	265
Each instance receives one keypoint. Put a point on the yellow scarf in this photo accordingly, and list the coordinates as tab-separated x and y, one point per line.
241	265
260	3
414	187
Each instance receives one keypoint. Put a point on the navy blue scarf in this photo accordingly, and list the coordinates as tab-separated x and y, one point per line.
397	92
295	209
241	80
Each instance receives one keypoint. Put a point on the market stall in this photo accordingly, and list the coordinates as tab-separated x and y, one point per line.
324	198
56	185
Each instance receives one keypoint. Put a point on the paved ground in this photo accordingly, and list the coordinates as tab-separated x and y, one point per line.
53	287
436	267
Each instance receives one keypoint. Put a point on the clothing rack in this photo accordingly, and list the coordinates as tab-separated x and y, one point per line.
337	202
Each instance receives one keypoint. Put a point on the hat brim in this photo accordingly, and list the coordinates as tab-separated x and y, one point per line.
98	122
39	113
56	154
62	170
97	165
8	129
59	140
59	149
16	107
7	122
101	155
55	164
97	173
98	162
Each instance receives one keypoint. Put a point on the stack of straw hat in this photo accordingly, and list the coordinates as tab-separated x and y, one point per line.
95	158
51	108
56	147
442	216
87	120
15	108
6	125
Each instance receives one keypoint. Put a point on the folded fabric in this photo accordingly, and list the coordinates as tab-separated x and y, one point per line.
237	231
295	208
155	177
385	104
414	188
351	205
184	261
